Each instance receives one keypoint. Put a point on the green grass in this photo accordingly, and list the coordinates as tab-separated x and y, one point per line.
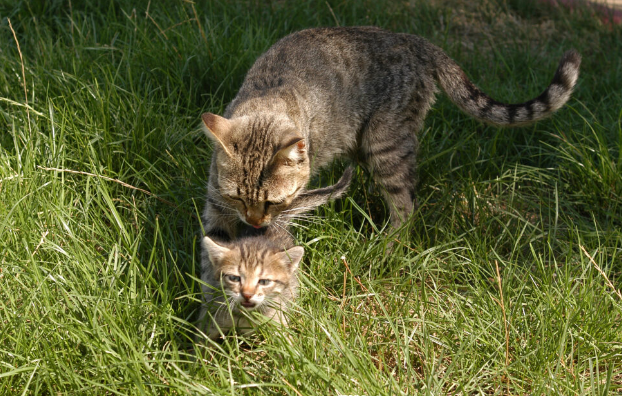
502	287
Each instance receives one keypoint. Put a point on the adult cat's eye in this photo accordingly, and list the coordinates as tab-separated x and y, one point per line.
274	203
264	282
234	278
234	198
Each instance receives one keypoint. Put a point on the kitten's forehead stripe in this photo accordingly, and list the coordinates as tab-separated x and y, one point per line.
242	253
256	262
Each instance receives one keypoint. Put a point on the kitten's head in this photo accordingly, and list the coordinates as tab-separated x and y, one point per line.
262	164
253	271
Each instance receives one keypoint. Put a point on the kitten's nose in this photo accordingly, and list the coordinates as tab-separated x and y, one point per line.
247	296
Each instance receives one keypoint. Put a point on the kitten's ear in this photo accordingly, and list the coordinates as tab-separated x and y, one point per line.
217	128
215	251
293	256
292	148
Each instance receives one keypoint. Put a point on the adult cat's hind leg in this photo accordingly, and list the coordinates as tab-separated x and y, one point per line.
390	151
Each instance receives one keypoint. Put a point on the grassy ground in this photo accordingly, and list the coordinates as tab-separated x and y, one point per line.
508	283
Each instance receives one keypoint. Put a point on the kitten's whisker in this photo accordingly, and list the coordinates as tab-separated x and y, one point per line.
232	304
220	308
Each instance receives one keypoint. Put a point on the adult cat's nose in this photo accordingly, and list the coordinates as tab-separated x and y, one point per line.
253	219
255	222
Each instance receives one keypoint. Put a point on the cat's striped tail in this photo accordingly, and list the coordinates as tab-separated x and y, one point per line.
476	103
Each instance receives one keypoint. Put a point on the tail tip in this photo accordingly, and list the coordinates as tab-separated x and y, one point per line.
571	57
566	75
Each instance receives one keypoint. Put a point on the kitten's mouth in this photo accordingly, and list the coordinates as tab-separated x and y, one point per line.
248	304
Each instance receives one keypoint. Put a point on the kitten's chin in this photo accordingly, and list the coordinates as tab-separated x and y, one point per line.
248	306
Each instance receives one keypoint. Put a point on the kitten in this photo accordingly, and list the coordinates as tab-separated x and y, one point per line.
256	274
320	94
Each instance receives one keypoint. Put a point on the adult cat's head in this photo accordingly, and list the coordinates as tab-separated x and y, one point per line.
263	165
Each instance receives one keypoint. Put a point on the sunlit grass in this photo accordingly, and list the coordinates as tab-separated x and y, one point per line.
505	281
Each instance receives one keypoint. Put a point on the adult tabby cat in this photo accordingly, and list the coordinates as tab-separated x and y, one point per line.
320	94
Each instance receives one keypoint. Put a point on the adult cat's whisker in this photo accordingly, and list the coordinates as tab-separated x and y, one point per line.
298	225
230	215
298	214
223	205
301	217
302	224
300	208
283	228
309	220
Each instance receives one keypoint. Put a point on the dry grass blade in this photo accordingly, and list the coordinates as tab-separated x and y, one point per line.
505	325
600	271
21	59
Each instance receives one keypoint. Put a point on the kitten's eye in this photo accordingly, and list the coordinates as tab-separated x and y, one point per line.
264	282
234	278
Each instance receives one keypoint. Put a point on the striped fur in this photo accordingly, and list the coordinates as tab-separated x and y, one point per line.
320	94
479	105
251	274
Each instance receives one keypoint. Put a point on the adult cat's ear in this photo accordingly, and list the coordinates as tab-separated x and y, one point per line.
217	128
215	251
292	148
293	256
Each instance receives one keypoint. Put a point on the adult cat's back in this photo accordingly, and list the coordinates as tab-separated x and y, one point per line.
337	79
